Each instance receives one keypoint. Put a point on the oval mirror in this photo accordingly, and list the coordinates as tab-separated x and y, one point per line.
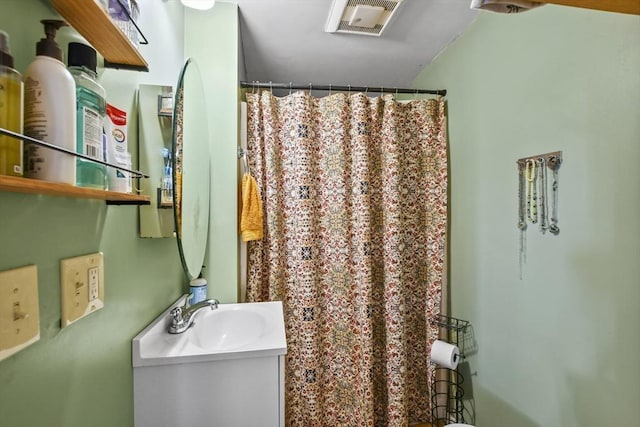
191	169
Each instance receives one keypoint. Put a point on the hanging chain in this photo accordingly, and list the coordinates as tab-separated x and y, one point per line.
532	194
553	226
522	218
542	181
522	202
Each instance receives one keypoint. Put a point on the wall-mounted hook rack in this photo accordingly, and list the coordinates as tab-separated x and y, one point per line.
552	160
535	206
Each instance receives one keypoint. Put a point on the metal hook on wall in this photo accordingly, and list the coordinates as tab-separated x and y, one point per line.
242	154
554	161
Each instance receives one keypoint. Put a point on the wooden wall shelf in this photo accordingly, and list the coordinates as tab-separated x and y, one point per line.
95	25
34	186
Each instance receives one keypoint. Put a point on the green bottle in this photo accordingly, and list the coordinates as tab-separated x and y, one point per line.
90	114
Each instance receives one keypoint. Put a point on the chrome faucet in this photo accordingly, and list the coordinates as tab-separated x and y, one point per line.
182	317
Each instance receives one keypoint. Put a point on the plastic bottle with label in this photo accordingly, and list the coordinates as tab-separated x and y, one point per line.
90	115
198	290
116	151
50	111
11	91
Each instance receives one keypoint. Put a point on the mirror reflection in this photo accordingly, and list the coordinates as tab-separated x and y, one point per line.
155	127
190	169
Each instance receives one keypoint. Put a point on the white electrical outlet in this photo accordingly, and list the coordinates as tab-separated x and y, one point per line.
93	283
81	287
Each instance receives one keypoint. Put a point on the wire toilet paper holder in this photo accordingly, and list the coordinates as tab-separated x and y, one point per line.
446	389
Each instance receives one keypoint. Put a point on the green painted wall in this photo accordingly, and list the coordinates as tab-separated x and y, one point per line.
212	40
82	376
560	347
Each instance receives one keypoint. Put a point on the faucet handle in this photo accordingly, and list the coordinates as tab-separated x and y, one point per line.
176	313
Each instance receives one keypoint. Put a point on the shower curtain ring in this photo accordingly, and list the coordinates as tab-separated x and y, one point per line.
349	89
271	87
329	89
310	86
290	87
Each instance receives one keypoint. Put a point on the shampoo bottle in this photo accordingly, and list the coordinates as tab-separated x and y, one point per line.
90	114
50	111
10	111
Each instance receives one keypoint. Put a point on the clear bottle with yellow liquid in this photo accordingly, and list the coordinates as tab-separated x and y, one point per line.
11	96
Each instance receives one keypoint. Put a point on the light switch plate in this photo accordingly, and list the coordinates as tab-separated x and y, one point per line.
19	310
81	287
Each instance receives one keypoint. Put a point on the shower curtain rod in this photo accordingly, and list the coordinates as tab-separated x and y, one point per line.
311	86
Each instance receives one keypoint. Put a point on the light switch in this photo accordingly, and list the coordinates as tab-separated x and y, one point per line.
19	310
81	287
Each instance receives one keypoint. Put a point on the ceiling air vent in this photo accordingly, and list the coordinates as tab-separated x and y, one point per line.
368	17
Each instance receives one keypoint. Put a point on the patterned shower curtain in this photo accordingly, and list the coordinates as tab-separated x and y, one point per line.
354	193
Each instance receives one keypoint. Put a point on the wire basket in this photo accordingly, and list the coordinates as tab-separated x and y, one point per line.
446	389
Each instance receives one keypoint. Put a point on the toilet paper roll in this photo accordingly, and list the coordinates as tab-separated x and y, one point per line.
445	354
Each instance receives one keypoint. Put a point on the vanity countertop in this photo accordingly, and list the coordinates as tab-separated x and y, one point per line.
231	331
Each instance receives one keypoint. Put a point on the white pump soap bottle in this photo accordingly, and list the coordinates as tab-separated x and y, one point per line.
50	111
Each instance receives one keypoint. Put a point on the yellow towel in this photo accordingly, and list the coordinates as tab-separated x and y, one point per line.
251	211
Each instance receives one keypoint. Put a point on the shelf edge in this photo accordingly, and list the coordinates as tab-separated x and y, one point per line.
32	186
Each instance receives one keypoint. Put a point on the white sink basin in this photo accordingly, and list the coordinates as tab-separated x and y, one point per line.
228	332
233	327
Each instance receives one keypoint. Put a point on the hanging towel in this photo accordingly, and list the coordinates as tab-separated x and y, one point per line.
504	6
251	211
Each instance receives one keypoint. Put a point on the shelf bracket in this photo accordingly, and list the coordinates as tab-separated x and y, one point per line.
117	66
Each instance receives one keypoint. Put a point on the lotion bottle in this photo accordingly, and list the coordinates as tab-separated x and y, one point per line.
90	115
50	111
11	91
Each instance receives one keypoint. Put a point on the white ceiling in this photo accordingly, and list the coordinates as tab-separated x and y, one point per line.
284	41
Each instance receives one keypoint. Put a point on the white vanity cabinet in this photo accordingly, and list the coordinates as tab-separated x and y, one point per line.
205	377
226	393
